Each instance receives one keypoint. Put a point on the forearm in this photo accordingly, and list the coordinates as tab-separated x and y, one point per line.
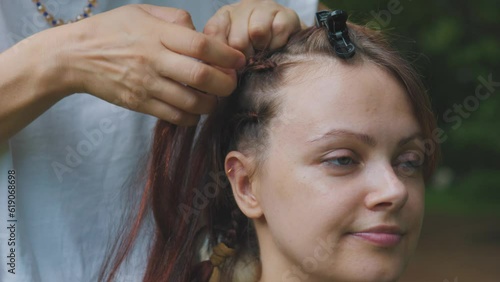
32	79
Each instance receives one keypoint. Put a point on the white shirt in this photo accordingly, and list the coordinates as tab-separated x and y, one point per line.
75	163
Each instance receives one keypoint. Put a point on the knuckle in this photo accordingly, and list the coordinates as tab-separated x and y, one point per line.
279	27
239	42
150	79
190	103
134	98
211	29
175	117
150	82
140	60
182	16
200	74
199	45
133	65
130	100
258	31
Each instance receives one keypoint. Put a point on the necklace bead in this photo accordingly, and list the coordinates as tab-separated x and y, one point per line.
87	12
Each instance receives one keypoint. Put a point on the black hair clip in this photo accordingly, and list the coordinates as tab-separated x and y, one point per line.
335	23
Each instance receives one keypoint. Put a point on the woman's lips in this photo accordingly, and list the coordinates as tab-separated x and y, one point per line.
382	235
380	239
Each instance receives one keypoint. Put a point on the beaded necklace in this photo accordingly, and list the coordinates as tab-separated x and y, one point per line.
87	12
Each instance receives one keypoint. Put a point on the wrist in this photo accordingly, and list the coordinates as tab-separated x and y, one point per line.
53	69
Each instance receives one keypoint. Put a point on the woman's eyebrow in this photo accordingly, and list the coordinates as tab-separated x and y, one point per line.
367	139
406	140
364	138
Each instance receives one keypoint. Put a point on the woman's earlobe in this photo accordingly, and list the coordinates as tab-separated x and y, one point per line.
239	170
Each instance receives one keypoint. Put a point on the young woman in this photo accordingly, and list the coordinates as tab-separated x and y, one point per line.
312	170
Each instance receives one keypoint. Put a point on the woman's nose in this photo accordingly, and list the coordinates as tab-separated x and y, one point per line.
386	190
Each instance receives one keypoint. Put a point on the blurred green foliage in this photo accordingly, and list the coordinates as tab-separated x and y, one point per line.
456	47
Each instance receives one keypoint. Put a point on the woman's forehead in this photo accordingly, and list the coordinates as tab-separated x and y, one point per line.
362	98
340	86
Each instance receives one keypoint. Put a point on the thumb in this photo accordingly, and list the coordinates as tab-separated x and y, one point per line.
170	15
230	72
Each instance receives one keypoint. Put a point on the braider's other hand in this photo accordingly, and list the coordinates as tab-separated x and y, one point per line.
251	25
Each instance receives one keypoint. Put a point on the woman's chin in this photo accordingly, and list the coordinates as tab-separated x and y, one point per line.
382	273
368	271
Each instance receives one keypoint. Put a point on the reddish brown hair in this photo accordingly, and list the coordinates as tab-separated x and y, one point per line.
182	167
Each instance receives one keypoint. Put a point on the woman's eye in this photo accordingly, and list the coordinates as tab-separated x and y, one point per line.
341	161
409	163
413	164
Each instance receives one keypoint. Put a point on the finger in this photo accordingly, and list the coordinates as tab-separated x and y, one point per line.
181	97
200	46
238	36
170	15
230	72
196	74
169	113
260	27
286	22
219	26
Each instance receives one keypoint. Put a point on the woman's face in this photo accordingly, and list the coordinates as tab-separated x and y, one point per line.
341	186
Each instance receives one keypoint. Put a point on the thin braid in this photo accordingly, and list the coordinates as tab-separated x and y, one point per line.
209	270
230	236
233	232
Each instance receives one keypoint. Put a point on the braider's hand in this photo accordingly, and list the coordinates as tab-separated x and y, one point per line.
141	57
253	25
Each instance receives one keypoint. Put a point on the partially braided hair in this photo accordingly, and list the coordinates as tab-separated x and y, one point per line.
230	232
181	164
210	270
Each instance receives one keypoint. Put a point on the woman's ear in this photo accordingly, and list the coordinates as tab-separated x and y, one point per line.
239	169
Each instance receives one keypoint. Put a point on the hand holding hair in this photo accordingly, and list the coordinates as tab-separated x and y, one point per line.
137	56
251	25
